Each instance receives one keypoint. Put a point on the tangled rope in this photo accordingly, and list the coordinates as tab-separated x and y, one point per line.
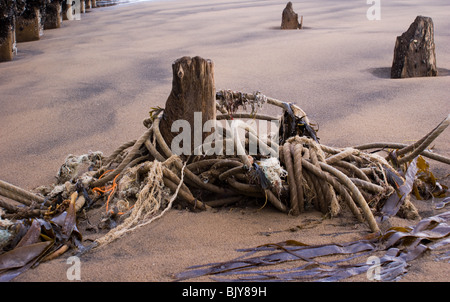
150	200
309	174
292	171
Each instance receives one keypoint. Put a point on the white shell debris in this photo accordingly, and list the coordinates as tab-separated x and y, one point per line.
273	171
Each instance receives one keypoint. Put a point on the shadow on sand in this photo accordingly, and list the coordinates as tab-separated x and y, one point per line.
279	28
385	72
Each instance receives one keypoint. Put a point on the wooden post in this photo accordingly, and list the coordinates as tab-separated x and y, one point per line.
29	26
289	19
193	90
67	10
8	12
82	7
72	9
53	15
414	53
6	53
6	41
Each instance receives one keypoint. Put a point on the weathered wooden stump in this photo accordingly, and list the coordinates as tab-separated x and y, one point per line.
71	8
193	92
289	19
6	26
68	10
414	53
53	14
9	9
30	25
29	28
82	6
7	40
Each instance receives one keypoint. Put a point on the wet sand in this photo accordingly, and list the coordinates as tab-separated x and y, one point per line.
90	84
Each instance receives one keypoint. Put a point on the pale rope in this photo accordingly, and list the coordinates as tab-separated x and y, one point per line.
148	203
312	144
321	149
335	208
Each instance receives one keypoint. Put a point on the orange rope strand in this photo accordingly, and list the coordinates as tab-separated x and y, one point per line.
111	189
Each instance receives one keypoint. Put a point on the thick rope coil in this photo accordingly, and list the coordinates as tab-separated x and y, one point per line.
297	151
325	191
291	179
23	196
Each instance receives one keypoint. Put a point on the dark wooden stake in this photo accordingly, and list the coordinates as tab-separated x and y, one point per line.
6	41
193	90
29	26
53	15
414	53
289	19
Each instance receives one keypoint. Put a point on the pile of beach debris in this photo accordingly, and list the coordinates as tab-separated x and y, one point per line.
231	161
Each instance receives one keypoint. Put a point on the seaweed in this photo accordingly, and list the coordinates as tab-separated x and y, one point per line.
396	248
43	239
293	125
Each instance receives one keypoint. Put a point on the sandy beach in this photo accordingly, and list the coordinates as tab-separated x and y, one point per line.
88	86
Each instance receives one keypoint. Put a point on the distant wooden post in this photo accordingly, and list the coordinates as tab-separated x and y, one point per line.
67	10
30	26
7	37
414	53
82	6
289	19
88	4
193	90
9	10
53	15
